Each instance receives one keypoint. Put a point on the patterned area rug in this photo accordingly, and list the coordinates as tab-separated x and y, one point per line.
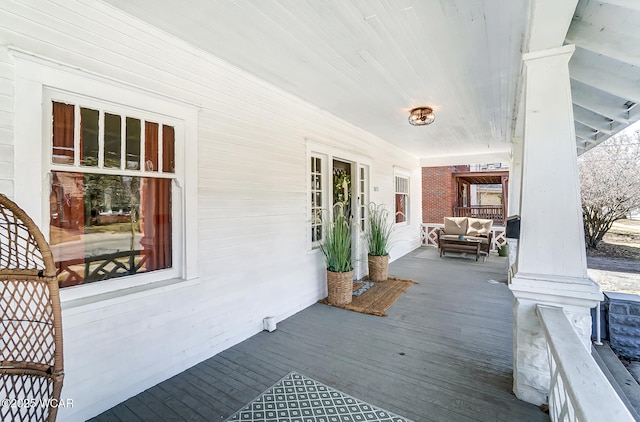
296	398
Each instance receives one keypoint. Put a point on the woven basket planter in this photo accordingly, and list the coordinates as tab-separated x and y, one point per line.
378	267
340	287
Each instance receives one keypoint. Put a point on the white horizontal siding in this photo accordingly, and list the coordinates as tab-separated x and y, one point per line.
252	195
6	123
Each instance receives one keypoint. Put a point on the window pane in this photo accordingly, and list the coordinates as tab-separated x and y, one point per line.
63	126
89	137
108	226
112	140
150	146
401	212
168	149
133	144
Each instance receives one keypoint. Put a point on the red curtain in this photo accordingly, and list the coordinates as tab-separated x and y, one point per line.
168	149
63	126
151	146
156	222
156	203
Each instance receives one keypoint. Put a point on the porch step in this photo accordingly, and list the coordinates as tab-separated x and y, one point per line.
621	380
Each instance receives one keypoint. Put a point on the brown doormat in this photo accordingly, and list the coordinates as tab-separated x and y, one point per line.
378	298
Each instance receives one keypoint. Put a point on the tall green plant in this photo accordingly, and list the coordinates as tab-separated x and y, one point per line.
379	228
337	241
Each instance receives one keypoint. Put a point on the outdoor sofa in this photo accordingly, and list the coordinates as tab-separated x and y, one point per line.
460	230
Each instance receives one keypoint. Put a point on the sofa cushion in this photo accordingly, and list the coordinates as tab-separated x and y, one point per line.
455	225
478	227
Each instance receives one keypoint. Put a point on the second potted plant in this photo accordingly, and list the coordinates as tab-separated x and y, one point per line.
337	251
378	234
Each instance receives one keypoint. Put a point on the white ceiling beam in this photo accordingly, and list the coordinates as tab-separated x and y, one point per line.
608	112
606	41
549	22
450	160
605	80
627	4
585	132
593	120
599	102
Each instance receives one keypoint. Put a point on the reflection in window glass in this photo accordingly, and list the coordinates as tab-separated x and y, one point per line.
89	137
133	144
402	198
316	199
112	140
107	226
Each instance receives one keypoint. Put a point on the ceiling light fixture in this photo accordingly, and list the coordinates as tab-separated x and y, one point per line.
421	116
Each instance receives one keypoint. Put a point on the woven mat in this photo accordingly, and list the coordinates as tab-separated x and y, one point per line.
378	298
296	398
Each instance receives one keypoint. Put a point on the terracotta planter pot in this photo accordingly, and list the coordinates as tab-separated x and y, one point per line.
378	267
340	287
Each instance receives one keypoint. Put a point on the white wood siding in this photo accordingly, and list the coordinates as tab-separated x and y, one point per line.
252	196
6	124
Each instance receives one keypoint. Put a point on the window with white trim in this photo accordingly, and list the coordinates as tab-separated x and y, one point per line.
401	198
111	200
316	199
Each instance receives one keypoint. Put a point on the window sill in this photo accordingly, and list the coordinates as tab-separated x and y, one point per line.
314	250
88	303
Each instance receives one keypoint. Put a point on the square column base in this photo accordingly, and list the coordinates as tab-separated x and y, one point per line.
531	373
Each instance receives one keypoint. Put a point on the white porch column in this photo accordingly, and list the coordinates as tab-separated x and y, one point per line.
551	265
515	185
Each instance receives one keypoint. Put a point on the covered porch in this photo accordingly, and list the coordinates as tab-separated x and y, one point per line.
262	99
463	206
443	353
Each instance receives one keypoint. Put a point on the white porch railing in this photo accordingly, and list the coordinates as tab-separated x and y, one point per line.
579	391
429	237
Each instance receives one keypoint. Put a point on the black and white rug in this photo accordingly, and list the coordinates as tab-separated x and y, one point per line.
296	398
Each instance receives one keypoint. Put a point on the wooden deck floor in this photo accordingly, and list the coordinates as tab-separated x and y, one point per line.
444	353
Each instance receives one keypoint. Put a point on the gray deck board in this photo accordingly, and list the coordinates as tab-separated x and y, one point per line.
444	353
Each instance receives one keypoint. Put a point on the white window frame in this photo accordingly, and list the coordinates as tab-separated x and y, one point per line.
328	154
400	174
323	194
38	78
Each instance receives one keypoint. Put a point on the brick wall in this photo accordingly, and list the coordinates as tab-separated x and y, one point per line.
438	192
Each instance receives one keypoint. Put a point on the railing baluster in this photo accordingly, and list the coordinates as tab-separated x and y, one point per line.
579	391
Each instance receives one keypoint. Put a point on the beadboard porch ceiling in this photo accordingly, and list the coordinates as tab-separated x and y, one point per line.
371	61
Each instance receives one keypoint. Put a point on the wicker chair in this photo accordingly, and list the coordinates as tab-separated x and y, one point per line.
31	367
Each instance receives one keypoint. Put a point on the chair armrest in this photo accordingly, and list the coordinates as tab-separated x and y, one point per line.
439	233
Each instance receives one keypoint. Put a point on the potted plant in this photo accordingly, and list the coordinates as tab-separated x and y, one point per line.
378	234
503	250
337	251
